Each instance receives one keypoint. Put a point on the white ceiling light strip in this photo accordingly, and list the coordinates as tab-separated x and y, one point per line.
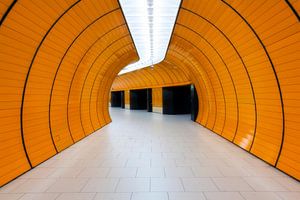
150	23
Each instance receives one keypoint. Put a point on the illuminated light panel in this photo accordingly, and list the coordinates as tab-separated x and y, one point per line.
150	23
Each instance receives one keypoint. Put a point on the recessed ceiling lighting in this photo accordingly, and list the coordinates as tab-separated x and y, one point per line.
150	23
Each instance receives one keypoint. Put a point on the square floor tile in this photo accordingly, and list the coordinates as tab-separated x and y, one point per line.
150	196
68	185
232	184
198	184
133	185
151	172
101	185
166	185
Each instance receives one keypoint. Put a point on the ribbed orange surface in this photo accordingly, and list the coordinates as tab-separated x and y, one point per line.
58	60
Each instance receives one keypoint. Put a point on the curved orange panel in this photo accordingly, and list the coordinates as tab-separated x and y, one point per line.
48	54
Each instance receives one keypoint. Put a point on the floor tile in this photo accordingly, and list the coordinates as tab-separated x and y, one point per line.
232	184
113	196
260	196
101	185
173	172
205	171
186	196
76	196
166	185
114	163
34	185
133	185
264	184
94	172
122	172
289	195
223	196
10	196
198	184
155	172
39	196
138	163
68	185
149	196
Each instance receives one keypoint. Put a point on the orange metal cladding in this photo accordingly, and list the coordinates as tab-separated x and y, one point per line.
243	57
59	60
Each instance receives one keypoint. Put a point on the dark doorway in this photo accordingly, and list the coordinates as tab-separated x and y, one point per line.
122	99
138	99
177	100
149	100
194	103
115	99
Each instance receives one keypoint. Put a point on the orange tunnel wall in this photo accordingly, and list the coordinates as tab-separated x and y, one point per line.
58	60
243	58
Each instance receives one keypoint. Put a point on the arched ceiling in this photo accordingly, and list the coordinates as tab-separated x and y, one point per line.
59	59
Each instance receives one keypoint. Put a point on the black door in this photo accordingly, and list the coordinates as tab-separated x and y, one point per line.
138	99
194	103
122	99
115	99
177	100
149	100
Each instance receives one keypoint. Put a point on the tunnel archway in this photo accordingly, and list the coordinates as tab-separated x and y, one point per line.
59	61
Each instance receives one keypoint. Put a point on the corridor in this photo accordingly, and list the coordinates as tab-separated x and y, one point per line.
149	156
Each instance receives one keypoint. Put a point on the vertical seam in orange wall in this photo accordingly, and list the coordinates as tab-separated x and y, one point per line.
276	77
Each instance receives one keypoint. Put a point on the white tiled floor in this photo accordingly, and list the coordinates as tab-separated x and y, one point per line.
149	156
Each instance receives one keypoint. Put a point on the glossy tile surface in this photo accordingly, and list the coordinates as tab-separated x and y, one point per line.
141	156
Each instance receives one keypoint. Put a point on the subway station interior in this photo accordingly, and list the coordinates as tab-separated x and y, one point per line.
149	100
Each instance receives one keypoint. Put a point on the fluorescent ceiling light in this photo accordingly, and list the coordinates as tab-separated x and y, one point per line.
151	23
